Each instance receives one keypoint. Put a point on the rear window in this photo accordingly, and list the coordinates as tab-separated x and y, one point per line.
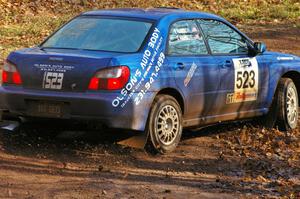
118	35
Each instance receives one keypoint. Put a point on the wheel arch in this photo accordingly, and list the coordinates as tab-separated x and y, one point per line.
176	94
295	77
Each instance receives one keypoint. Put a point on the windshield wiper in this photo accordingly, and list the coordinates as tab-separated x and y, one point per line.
64	48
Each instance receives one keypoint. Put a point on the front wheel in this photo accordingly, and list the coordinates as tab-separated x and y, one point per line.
284	108
165	124
287	100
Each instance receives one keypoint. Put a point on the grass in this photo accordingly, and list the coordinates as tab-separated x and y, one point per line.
31	31
26	23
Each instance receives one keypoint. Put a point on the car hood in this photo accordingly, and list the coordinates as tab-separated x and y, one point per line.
283	56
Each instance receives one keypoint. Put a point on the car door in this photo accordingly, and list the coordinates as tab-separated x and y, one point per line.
244	76
196	76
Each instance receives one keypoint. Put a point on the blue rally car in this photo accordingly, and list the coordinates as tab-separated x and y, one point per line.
151	70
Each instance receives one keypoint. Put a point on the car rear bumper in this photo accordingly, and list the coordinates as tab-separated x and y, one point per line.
96	106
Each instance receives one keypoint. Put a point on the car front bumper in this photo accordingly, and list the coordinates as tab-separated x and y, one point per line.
96	106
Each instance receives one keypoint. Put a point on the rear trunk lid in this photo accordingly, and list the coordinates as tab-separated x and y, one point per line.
59	69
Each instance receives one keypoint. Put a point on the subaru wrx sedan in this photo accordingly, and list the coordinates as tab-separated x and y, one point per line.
151	70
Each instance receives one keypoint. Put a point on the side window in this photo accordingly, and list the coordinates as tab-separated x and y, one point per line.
222	39
186	39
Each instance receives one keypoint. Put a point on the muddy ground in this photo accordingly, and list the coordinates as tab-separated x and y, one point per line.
240	160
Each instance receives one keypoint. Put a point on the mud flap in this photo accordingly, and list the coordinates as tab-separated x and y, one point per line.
137	141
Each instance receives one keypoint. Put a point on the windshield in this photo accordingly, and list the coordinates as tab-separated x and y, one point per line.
89	33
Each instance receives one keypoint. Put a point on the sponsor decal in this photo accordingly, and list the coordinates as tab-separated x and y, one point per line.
245	81
190	74
54	67
240	97
145	75
53	74
285	58
151	80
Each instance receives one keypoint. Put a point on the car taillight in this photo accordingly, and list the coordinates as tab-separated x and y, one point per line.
10	74
110	79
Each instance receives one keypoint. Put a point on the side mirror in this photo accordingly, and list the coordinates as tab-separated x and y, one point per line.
260	47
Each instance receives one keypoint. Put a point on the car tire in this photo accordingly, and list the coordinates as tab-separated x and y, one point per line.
164	124
279	112
287	105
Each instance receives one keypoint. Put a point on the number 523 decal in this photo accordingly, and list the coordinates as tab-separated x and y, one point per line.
53	80
246	74
245	81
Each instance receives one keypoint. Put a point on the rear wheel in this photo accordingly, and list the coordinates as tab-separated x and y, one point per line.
165	124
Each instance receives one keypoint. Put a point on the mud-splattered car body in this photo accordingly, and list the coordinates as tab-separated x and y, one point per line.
180	56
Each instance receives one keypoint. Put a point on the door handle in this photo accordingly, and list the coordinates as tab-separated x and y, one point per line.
180	66
227	64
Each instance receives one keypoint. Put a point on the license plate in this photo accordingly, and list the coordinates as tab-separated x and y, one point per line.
47	109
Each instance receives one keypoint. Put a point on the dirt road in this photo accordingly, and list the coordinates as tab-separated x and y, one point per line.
237	160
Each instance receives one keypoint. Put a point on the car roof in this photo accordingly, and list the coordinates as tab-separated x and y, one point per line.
150	13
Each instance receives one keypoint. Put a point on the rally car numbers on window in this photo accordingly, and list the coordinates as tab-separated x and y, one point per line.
154	71
245	81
